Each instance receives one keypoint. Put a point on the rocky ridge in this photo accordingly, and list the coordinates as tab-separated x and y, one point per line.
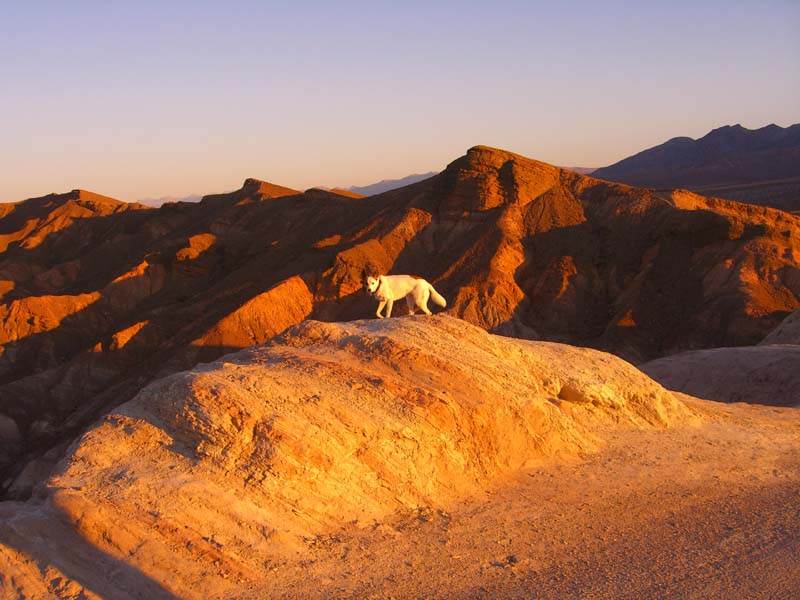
104	302
758	166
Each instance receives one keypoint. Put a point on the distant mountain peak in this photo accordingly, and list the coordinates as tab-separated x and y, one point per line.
487	156
253	186
252	189
752	165
728	130
483	149
320	192
87	196
77	195
481	153
386	185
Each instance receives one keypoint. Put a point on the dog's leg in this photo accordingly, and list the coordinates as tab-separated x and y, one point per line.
389	304
412	304
380	308
421	296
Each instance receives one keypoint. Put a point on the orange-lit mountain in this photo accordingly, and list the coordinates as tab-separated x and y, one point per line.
99	297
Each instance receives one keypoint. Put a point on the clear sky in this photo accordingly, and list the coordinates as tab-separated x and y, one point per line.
147	99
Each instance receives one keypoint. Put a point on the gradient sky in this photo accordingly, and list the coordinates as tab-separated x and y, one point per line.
147	99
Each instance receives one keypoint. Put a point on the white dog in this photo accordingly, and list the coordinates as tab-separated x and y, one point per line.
388	288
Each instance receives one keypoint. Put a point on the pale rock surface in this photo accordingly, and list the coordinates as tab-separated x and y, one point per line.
193	487
788	332
757	374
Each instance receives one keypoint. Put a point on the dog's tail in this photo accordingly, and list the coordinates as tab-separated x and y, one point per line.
437	297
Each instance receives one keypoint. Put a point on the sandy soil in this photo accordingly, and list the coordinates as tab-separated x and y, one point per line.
707	512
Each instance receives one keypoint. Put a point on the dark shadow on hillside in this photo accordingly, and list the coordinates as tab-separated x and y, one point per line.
88	239
56	378
57	545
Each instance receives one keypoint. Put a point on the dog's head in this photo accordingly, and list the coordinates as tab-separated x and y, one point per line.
371	284
370	280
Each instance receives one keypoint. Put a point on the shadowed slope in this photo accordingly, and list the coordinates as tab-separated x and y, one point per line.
528	247
788	332
30	222
768	373
762	374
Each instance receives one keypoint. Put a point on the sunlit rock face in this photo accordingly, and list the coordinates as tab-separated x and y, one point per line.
99	297
208	475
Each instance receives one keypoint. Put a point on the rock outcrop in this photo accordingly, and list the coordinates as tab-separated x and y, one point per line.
195	485
98	303
754	374
788	332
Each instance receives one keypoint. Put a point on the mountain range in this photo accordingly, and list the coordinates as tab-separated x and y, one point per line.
386	185
99	297
196	400
367	190
759	166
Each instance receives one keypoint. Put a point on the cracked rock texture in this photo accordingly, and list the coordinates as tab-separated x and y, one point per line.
193	487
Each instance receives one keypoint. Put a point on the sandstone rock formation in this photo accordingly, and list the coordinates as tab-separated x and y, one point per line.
193	487
28	224
101	299
99	296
